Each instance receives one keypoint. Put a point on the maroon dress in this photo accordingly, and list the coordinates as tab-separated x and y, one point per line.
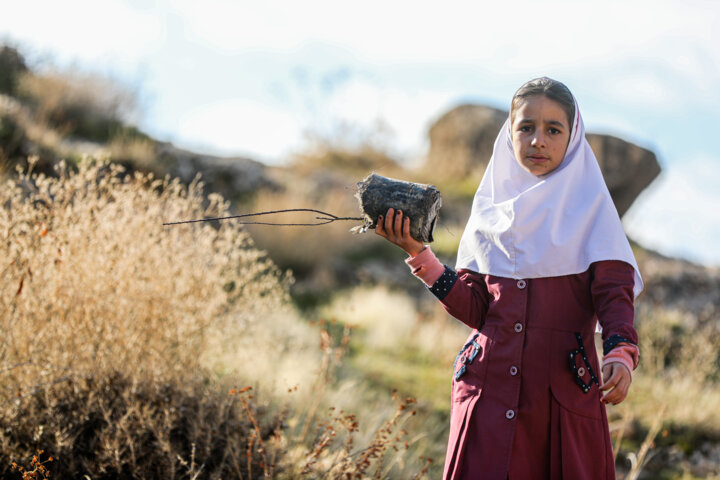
525	396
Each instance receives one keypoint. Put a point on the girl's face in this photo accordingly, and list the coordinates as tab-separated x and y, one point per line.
540	134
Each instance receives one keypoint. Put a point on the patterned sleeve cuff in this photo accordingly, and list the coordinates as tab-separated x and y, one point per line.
625	354
444	284
613	341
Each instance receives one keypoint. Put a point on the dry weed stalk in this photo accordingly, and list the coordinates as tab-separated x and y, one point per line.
332	356
255	444
639	460
333	453
37	468
619	428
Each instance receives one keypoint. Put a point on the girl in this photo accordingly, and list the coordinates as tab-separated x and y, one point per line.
543	258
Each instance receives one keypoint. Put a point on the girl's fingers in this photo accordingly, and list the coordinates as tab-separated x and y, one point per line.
390	223
395	228
406	228
618	383
609	376
380	228
617	395
398	224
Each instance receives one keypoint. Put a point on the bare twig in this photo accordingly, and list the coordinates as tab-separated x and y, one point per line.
327	218
11	367
639	460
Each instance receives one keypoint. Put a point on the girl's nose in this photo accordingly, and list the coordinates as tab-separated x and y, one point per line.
538	140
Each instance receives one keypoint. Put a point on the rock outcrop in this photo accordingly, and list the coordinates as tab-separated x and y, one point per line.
20	138
461	143
12	64
232	177
628	169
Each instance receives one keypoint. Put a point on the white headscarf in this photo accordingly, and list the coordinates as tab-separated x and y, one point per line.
523	226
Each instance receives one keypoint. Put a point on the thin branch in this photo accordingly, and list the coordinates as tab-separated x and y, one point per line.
11	367
327	218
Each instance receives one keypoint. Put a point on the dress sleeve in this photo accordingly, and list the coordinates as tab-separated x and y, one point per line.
468	299
463	294
613	299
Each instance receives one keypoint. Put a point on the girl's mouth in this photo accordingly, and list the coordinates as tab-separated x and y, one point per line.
538	158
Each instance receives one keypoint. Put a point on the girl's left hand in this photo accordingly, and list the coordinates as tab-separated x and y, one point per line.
617	380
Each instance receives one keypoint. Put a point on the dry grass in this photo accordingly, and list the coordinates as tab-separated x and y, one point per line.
389	319
107	317
673	410
680	361
66	114
660	431
92	281
121	338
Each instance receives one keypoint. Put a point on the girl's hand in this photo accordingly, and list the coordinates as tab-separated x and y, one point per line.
396	229
617	380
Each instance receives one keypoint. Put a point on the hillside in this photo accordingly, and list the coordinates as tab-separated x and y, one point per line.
122	332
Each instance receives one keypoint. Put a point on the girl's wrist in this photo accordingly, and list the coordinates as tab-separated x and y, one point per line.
426	266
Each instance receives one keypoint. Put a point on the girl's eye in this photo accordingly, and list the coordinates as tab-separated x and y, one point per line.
554	131
525	128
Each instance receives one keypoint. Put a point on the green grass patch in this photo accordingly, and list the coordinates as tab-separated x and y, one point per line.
409	371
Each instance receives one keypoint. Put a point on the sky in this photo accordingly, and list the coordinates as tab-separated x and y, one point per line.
258	79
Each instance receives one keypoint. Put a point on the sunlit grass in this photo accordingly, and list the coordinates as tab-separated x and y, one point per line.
121	339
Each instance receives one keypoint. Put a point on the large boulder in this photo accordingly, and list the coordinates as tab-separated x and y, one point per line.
461	143
626	167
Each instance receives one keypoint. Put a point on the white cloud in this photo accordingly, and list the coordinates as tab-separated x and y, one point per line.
642	88
108	34
521	34
240	127
406	112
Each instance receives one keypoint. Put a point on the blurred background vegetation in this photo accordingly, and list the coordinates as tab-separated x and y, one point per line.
135	350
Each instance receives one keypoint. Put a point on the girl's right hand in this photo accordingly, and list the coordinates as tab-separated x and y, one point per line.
396	229
617	380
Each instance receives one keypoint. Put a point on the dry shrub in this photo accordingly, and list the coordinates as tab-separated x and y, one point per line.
117	340
680	359
92	281
673	410
119	426
339	444
106	322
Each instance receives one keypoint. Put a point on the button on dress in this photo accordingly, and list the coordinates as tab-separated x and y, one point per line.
518	410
